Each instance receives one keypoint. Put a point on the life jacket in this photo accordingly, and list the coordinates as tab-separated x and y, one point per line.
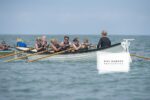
66	45
45	44
39	45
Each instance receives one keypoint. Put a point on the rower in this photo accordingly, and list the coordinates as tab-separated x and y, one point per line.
44	43
66	43
55	46
4	46
1	47
21	43
86	45
38	44
76	44
104	41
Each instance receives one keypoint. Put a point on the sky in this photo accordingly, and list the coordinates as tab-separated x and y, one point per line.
124	17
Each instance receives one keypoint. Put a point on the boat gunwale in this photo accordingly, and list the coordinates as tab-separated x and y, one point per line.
78	52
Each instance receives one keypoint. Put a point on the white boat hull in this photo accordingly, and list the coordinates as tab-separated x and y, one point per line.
77	56
116	48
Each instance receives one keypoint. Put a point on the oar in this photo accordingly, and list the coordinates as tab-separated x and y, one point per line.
50	55
146	58
25	56
8	55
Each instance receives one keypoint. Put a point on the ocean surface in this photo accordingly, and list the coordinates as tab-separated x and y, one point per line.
75	80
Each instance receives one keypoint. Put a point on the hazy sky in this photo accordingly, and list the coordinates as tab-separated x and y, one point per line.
74	16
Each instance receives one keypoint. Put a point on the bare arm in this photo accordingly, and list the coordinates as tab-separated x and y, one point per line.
61	44
37	48
54	48
75	47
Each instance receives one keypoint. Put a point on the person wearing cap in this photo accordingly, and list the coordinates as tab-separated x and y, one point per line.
76	44
104	41
21	43
55	46
66	43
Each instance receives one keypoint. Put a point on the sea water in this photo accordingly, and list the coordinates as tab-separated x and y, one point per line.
75	80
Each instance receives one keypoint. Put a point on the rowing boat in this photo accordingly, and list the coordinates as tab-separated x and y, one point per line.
82	54
78	55
4	52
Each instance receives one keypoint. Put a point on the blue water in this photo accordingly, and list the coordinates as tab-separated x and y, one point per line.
75	80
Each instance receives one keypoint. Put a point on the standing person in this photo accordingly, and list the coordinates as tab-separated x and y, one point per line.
104	41
66	43
76	44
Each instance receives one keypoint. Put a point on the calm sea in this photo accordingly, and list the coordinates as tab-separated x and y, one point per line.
75	80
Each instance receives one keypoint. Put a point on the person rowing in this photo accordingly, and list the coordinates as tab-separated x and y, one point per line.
38	44
66	43
4	46
86	45
76	44
104	41
44	43
55	46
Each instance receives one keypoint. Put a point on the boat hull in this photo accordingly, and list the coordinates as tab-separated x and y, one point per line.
74	56
5	52
78	56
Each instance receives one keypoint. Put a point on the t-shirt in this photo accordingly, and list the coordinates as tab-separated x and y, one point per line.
104	42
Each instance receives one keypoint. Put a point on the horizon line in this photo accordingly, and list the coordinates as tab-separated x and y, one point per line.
77	34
